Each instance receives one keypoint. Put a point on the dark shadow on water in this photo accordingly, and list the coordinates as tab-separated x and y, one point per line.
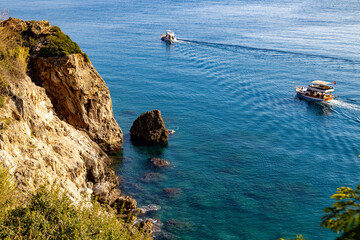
320	109
117	159
149	149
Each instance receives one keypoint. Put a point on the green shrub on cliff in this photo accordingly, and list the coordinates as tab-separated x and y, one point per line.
7	191
59	45
50	214
13	56
2	101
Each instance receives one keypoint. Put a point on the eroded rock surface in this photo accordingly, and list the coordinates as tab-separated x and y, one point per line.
149	127
39	148
56	131
79	96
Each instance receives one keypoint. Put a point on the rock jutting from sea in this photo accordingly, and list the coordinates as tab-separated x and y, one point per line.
149	128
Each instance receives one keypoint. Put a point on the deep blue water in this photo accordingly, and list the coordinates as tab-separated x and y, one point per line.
252	161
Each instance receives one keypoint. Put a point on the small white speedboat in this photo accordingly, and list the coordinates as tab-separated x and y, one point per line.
317	91
169	37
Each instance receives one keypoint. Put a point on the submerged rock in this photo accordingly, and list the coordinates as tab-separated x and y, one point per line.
149	127
175	225
159	163
151	177
171	192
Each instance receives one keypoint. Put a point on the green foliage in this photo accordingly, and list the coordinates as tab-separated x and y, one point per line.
59	45
343	217
86	58
2	101
29	42
7	191
13	60
51	214
55	29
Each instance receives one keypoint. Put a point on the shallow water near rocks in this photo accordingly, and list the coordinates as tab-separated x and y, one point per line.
250	159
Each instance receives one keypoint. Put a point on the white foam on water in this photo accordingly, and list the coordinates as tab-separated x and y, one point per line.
150	207
346	105
349	110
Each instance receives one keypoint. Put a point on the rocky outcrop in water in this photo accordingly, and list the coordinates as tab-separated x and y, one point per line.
158	162
149	127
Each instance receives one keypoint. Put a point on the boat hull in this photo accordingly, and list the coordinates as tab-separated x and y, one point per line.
167	40
312	99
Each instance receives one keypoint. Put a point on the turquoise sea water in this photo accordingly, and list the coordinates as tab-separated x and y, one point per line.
252	161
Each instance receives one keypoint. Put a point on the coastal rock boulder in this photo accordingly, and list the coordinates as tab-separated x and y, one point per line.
125	204
39	27
146	226
149	127
105	193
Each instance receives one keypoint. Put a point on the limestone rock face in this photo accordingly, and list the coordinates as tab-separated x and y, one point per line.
38	28
149	127
146	226
79	96
126	207
57	130
39	148
33	28
14	24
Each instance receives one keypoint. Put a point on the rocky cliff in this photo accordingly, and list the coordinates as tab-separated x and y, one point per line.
79	96
56	121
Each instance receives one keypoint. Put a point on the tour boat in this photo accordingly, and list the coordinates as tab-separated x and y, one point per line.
317	91
169	37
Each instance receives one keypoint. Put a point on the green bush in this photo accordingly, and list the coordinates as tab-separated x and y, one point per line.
55	29
59	45
2	101
7	191
343	217
51	214
86	58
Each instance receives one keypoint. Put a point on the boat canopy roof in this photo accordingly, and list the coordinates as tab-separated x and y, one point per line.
169	32
317	89
320	82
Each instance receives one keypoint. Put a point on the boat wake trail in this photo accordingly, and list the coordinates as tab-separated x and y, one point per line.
346	105
268	50
348	110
